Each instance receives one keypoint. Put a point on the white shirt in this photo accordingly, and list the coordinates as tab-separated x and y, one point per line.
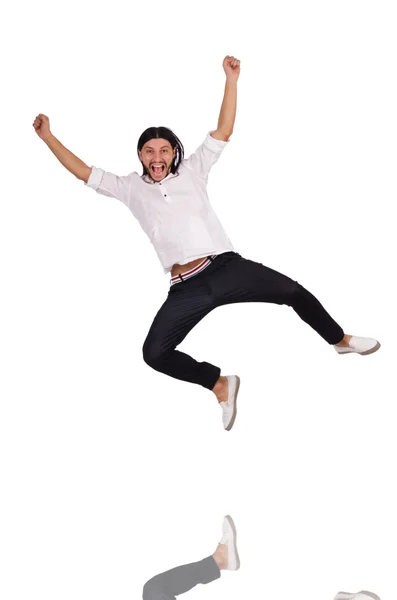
175	213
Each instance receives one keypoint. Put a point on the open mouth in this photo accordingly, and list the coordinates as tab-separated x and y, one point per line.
158	169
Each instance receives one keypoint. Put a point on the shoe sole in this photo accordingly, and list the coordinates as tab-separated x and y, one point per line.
232	525
374	349
346	596
228	428
365	353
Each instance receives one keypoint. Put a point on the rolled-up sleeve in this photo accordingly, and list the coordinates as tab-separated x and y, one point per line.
205	156
109	184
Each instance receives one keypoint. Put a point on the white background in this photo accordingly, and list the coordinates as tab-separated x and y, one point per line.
110	472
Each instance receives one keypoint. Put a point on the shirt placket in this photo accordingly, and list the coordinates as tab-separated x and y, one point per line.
164	192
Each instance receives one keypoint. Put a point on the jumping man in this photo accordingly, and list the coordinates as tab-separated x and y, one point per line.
171	204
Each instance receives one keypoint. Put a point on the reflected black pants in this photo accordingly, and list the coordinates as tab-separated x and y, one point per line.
180	580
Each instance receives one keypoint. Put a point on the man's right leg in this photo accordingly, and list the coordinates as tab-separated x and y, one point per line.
187	304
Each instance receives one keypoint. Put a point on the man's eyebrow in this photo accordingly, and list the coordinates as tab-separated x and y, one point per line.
151	147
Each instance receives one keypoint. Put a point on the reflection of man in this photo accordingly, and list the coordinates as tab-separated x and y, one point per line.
170	202
170	584
174	582
182	579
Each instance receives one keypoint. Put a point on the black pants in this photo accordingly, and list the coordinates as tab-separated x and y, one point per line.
180	580
229	279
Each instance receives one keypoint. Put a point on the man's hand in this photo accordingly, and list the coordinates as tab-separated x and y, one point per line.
72	163
41	125
227	115
231	67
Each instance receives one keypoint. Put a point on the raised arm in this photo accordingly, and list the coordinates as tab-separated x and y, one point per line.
73	164
227	115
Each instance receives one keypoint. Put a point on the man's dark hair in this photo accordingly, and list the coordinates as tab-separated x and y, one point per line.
166	134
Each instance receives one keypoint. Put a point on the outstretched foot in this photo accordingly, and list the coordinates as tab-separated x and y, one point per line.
360	345
226	555
226	390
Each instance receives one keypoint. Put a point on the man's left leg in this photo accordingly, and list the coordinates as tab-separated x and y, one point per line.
247	281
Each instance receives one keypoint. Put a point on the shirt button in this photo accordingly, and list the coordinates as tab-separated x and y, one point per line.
165	195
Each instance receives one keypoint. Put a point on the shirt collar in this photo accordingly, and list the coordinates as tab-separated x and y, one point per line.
147	179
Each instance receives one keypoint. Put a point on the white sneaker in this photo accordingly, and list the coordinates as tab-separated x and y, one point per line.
229	407
358	596
229	538
360	345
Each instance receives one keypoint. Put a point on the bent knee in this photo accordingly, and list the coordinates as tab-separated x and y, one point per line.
149	353
153	354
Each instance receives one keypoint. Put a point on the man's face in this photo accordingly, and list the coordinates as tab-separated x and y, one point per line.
157	156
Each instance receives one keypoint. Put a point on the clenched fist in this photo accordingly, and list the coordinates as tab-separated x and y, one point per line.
231	67
42	126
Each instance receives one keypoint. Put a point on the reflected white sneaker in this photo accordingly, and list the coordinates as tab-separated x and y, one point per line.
360	345
358	596
229	407
229	538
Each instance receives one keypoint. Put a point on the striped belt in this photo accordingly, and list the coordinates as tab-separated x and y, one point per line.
192	272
